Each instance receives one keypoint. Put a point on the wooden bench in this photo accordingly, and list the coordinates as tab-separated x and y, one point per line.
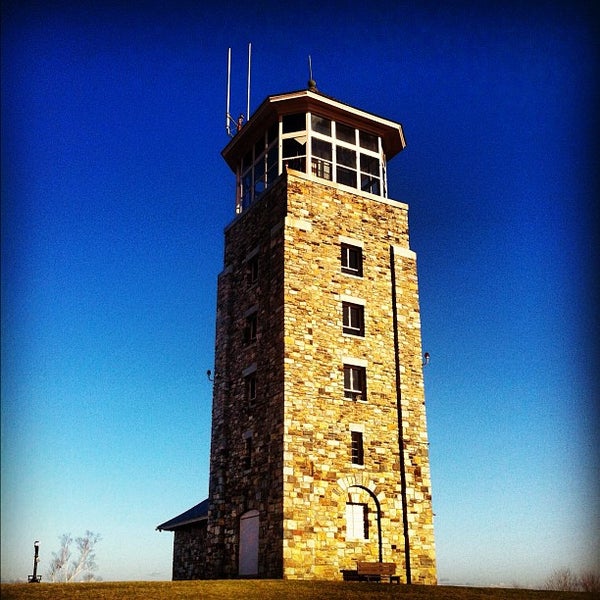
374	571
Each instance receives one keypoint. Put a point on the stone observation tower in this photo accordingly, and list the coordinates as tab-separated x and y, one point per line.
319	452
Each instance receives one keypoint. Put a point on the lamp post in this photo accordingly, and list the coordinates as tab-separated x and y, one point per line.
35	578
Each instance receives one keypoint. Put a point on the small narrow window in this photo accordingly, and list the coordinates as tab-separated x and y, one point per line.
357	449
250	389
354	318
251	328
252	270
355	383
352	260
357	521
248	453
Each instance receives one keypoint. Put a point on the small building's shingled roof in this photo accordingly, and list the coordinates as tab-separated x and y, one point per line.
192	515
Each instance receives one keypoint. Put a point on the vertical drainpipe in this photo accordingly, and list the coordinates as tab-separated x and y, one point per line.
399	412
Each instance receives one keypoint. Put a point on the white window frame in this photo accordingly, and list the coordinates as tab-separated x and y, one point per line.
354	393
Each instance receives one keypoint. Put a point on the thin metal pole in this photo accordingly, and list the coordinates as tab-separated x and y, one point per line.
405	526
248	95
227	115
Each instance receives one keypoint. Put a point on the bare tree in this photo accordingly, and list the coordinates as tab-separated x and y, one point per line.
589	582
563	580
63	569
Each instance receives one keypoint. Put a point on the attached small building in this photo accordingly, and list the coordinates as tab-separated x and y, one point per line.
189	542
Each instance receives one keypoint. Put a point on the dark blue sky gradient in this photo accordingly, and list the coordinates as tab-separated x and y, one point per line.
114	201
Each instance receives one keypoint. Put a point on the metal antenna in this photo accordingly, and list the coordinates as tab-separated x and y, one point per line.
312	84
248	94
227	114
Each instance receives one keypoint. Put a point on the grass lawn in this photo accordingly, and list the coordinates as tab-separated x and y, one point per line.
267	590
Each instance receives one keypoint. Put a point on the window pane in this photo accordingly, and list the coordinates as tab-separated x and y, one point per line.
259	178
346	176
352	260
357	522
272	133
298	164
321	168
353	318
247	160
368	141
295	122
247	189
368	183
251	388
346	156
259	147
292	147
321	149
357	448
345	133
252	270
369	164
354	383
272	164
321	125
250	328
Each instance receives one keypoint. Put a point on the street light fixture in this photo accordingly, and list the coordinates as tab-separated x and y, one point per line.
35	578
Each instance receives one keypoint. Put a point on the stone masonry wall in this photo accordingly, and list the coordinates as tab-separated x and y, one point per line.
319	477
299	474
189	547
238	482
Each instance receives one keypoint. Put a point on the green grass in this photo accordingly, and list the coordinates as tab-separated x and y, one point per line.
267	590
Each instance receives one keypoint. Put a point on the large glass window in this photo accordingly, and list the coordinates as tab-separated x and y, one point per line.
338	152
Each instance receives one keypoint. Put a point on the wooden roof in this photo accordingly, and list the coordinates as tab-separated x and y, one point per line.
315	102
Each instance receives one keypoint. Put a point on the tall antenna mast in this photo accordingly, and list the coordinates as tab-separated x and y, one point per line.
227	113
228	118
248	95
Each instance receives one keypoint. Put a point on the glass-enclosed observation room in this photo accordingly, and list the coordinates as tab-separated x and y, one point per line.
313	134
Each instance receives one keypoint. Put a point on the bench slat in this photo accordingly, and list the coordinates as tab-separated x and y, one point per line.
373	568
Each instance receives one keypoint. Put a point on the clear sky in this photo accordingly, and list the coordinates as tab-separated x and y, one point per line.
114	201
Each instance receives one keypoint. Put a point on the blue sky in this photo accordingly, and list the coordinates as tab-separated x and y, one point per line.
114	201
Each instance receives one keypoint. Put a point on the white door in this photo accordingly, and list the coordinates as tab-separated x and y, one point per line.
249	543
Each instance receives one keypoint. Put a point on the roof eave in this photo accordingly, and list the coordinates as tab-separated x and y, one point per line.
273	107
